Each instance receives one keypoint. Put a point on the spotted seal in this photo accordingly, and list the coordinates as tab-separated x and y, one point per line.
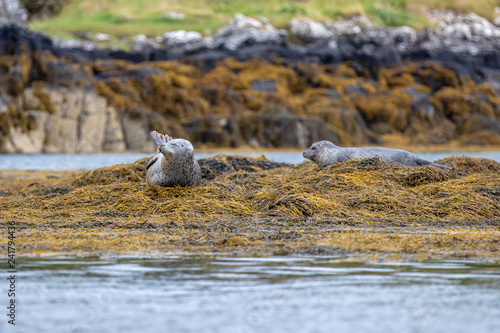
324	153
174	164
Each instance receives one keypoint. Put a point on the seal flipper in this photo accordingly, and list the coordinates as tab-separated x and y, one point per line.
152	161
420	161
445	167
160	139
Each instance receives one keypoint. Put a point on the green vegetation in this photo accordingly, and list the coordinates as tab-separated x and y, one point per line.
130	17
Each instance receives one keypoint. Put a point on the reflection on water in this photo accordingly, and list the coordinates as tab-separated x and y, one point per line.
207	294
91	161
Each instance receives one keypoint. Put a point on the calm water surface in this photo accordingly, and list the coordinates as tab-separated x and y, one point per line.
91	161
315	294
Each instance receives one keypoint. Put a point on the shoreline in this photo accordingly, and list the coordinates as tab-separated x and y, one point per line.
394	143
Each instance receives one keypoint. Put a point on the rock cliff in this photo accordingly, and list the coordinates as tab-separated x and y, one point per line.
349	82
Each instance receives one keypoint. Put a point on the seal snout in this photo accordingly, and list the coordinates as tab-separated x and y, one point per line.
308	155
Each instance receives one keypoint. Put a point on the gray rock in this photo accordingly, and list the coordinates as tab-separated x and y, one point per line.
79	121
360	30
91	123
174	15
421	105
62	126
136	130
496	17
33	141
469	124
242	29
266	85
307	30
74	44
113	134
181	37
271	130
463	33
13	11
142	43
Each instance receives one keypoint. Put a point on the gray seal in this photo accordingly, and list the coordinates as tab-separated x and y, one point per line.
174	164
324	153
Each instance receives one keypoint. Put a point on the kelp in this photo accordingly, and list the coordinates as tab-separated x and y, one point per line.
254	206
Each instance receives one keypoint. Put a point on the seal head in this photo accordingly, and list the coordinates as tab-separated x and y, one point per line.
174	164
324	153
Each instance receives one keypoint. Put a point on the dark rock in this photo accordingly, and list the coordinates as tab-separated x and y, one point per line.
215	166
355	90
221	131
267	85
285	130
421	105
67	75
469	124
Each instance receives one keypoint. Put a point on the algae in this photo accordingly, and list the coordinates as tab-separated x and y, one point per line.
415	100
256	207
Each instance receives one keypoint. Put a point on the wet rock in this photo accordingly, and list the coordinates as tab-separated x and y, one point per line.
425	133
267	85
66	74
421	105
221	131
284	130
469	124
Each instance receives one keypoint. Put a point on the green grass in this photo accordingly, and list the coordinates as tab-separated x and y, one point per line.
131	17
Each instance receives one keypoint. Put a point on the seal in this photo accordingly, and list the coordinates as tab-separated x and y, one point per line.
325	152
174	164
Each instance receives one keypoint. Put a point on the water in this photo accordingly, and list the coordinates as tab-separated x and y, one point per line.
91	161
283	294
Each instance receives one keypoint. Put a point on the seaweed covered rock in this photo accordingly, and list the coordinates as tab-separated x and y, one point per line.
211	167
471	164
254	206
218	165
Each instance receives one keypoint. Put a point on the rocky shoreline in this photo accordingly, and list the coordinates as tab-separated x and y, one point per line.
251	84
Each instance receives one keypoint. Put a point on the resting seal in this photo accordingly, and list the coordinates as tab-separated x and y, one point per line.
174	164
325	152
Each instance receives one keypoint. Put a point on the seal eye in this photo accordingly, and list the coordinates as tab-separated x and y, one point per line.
313	148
